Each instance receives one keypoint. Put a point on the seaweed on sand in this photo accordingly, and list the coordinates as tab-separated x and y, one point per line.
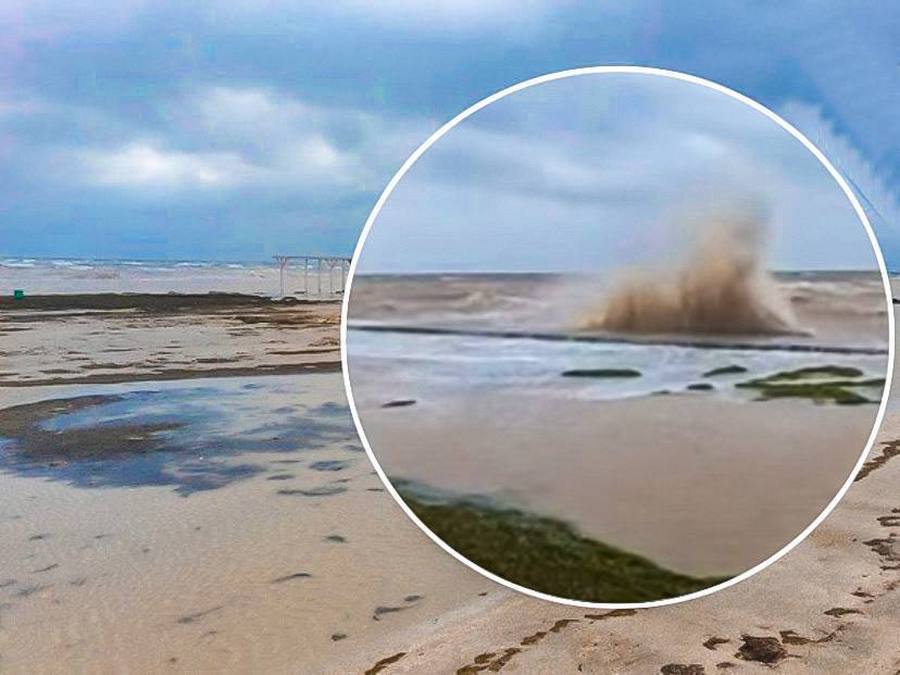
700	386
814	372
820	392
549	555
602	372
820	384
733	369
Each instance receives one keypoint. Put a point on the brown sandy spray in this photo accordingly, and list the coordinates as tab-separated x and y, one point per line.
720	287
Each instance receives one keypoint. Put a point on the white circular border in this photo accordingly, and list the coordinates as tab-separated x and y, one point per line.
641	70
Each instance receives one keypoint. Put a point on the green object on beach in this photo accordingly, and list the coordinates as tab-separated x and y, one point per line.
725	370
602	372
700	386
18	294
549	555
820	384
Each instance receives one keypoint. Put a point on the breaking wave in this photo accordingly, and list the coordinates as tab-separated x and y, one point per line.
721	287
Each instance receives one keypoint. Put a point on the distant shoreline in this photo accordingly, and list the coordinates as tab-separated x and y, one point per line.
132	261
176	302
532	274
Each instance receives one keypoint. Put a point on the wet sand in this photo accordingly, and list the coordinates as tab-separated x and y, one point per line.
147	580
702	453
290	562
103	338
171	501
142	578
693	483
830	606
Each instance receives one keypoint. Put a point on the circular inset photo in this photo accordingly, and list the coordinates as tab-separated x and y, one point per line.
617	336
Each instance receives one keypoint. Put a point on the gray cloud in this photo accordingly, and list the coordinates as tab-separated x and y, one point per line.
216	139
596	171
154	128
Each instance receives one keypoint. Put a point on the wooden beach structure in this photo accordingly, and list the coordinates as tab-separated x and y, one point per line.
319	266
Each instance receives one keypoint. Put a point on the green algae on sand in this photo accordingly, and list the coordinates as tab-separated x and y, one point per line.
549	555
820	384
601	372
733	369
815	372
700	386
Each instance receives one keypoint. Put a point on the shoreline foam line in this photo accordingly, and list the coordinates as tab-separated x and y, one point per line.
609	339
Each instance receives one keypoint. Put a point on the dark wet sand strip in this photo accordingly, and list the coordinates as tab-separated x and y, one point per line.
148	302
181	374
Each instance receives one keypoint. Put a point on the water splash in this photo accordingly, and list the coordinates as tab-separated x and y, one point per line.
720	287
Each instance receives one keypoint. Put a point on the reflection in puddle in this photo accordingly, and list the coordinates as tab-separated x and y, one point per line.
188	436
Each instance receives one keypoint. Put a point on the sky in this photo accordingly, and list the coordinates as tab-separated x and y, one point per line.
604	170
236	130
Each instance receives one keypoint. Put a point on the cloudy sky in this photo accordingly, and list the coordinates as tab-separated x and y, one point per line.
602	170
234	130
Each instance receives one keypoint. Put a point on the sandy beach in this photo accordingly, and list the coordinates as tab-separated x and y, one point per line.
485	395
289	560
190	550
679	502
103	338
382	338
183	490
829	606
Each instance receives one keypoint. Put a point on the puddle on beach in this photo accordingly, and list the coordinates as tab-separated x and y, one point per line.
140	576
192	436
